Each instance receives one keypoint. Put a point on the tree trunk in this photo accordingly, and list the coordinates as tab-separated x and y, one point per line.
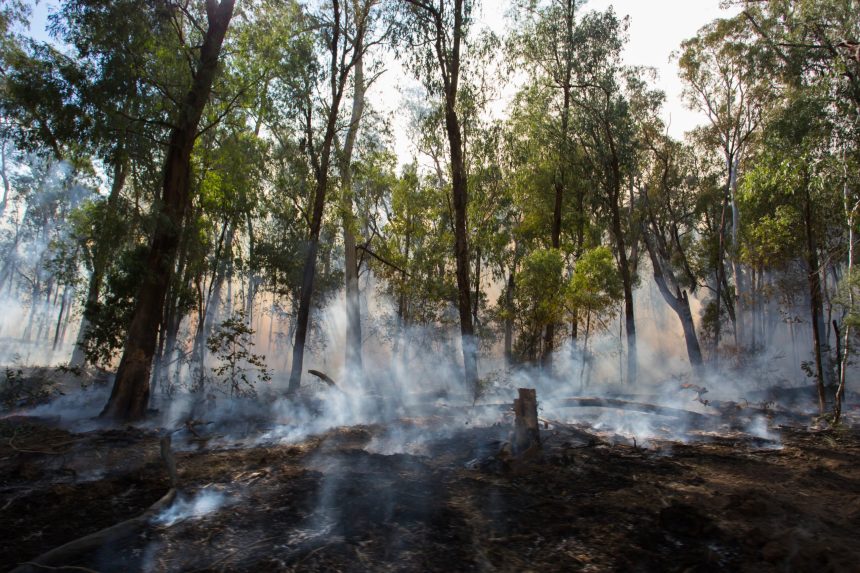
679	302
63	302
477	298
353	357
130	395
212	305
7	187
627	282
526	430
814	279
459	190
509	318
737	270
321	168
461	246
846	344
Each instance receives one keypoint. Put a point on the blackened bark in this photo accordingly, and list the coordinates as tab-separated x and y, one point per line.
627	283
130	395
459	190
509	318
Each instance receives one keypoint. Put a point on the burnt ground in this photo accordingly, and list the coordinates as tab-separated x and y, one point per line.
332	502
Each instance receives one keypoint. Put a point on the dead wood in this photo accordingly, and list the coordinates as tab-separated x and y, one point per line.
61	567
324	377
121	530
636	407
526	432
26	451
70	550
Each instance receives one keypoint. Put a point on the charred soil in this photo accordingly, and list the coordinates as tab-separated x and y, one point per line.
337	502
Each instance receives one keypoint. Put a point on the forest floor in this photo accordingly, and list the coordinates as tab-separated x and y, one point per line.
421	495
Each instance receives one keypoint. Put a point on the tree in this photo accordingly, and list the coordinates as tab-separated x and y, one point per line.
436	31
594	289
241	369
724	79
540	297
130	395
670	222
605	131
549	42
344	40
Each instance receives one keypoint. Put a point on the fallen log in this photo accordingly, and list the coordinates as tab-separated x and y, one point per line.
634	406
68	552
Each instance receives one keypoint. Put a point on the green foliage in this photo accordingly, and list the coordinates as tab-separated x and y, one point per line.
110	316
239	369
540	288
847	298
596	284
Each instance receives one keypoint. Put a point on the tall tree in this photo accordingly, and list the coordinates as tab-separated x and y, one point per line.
437	31
130	395
344	39
547	42
723	80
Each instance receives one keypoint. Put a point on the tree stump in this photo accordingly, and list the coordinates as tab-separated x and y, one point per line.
526	432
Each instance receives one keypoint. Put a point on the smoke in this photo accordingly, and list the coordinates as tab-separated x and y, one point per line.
414	373
199	505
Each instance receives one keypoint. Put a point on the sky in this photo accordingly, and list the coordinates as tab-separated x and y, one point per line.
657	28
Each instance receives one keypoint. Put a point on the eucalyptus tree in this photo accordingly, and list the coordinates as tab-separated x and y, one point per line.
130	395
367	15
670	224
125	91
605	128
436	31
550	45
412	251
725	79
343	39
814	45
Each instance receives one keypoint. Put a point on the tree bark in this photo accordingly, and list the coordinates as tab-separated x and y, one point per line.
815	298
459	191
627	283
321	168
354	363
679	302
130	395
509	318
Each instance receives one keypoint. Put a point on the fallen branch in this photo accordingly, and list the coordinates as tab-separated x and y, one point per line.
95	540
68	551
324	377
61	567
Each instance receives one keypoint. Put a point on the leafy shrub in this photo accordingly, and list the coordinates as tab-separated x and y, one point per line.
239	369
